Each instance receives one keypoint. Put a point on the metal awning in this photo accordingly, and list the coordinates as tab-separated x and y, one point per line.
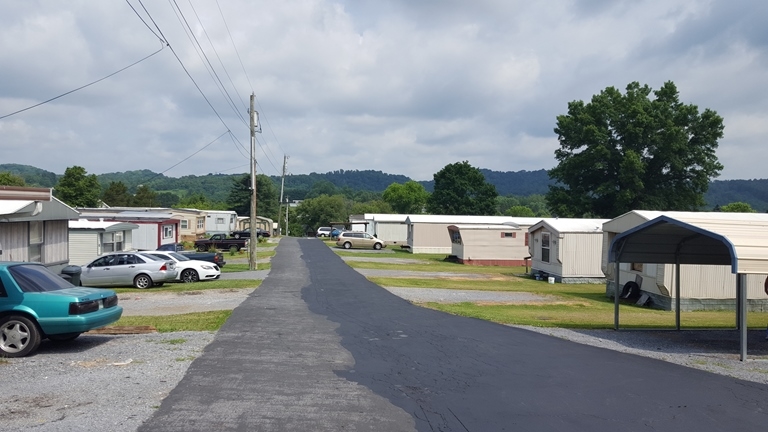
738	241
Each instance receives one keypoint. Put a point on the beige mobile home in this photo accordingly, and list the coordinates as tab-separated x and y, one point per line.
90	239
429	233
390	228
702	287
500	245
570	250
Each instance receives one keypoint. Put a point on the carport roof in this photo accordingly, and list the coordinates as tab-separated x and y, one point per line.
735	239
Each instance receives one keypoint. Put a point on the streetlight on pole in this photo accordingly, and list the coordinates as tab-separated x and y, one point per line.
255	127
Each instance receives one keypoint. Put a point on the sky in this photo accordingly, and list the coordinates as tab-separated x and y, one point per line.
400	86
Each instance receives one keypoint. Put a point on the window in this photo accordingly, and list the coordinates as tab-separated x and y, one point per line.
455	237
545	247
232	219
112	242
184	224
35	241
526	239
637	267
508	235
167	231
219	221
200	223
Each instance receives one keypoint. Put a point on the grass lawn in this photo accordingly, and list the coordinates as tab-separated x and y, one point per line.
196	286
199	321
433	265
238	267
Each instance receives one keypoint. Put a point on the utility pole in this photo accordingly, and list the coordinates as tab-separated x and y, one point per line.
286	215
280	203
254	240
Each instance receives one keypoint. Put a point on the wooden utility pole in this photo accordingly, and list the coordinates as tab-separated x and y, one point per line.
254	240
280	203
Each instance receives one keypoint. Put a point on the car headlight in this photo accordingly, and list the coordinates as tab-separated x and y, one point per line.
207	267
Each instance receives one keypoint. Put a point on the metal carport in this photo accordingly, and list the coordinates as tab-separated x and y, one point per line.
737	240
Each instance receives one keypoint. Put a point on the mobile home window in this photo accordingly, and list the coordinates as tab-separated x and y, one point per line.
508	235
167	231
219	221
112	242
184	224
36	241
456	237
200	223
545	247
637	267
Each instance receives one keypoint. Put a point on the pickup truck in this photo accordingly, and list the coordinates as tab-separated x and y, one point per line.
212	257
220	241
247	233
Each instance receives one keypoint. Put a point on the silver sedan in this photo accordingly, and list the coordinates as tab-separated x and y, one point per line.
128	269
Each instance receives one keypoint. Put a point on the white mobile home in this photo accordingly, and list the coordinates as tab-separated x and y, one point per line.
155	229
498	245
220	221
429	233
702	287
90	239
390	228
33	227
570	250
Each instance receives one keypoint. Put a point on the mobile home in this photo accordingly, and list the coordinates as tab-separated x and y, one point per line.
429	233
569	250
500	245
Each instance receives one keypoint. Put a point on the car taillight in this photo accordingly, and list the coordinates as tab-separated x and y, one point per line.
163	267
215	258
83	307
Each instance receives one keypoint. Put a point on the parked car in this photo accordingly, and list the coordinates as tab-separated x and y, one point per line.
136	269
171	247
247	233
336	232
36	303
356	239
220	241
189	270
324	232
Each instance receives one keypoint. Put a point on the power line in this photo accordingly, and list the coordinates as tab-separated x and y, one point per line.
82	87
186	158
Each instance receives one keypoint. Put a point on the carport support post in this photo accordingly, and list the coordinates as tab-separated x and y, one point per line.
677	291
741	287
616	295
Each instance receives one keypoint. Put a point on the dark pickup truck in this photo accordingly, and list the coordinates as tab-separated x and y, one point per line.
212	257
220	241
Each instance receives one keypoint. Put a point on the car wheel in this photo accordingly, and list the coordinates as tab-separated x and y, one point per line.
377	246
19	336
347	245
142	281
63	337
189	275
202	248
237	236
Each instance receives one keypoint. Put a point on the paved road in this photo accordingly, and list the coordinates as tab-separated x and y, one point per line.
317	347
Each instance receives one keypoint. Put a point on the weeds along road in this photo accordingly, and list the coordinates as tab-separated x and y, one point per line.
318	347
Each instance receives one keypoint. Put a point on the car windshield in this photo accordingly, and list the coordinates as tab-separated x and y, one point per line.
179	256
37	278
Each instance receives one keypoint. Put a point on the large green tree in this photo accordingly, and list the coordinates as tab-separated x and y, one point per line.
737	207
461	189
145	197
623	152
8	179
116	195
267	196
77	188
313	213
407	198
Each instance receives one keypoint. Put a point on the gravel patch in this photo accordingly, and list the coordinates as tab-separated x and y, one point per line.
423	274
438	295
96	382
165	303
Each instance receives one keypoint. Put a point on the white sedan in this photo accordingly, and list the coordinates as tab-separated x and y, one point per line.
189	270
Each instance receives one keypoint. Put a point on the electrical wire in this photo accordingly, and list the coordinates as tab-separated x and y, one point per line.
186	158
82	87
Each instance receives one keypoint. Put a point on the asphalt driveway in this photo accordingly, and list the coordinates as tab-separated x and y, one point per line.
318	347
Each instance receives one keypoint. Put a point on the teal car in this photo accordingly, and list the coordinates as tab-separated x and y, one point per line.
36	304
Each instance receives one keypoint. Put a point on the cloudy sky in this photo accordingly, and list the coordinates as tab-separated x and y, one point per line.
400	86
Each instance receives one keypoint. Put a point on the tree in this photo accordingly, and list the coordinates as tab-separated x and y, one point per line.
77	188
737	207
519	211
8	179
376	206
116	195
622	152
461	189
167	199
321	211
240	194
322	187
144	197
407	198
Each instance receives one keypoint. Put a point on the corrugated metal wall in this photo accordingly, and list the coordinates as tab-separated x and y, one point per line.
145	237
14	240
83	247
55	243
391	232
490	245
430	238
581	254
